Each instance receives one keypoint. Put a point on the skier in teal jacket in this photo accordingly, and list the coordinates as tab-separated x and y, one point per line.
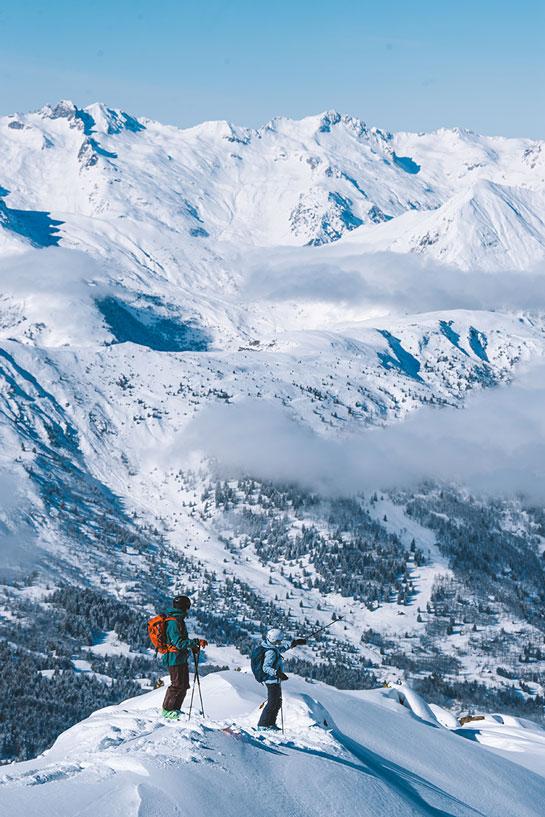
176	660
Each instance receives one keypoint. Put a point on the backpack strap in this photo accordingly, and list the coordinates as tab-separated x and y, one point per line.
182	630
170	647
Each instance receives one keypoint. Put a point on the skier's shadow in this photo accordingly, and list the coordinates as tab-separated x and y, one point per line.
376	767
260	744
288	744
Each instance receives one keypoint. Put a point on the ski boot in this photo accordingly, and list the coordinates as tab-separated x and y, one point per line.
171	714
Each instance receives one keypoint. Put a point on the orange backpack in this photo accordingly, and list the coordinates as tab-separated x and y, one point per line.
157	631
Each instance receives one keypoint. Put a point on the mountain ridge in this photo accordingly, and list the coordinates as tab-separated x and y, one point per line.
348	179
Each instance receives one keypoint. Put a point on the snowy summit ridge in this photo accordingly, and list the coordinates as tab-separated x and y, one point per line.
349	753
293	182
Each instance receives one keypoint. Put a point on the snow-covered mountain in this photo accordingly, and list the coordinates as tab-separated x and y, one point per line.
289	182
485	226
197	330
342	753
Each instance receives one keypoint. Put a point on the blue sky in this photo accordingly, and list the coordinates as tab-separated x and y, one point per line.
400	65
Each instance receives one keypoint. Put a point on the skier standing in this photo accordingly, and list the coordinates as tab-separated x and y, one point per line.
272	647
179	645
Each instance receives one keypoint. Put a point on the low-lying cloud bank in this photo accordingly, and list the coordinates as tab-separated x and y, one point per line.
51	293
495	444
393	283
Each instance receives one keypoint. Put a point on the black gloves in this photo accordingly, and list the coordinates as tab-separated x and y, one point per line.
298	642
282	676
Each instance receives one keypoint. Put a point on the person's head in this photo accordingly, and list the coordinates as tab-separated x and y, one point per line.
275	636
182	603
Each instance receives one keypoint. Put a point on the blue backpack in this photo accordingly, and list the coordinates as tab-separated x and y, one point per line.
256	661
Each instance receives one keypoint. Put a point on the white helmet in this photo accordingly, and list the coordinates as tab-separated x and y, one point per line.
275	636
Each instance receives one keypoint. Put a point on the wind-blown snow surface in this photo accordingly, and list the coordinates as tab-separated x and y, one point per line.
349	753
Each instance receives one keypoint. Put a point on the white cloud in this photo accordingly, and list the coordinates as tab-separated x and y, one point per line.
495	444
391	283
52	292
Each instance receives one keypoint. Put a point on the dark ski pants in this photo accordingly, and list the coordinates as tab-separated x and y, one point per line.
274	702
179	684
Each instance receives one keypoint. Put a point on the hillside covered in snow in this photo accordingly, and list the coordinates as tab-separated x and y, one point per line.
342	753
294	371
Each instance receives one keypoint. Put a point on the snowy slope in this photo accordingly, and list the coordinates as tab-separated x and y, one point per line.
486	226
342	753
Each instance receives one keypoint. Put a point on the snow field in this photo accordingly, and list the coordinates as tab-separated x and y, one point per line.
359	753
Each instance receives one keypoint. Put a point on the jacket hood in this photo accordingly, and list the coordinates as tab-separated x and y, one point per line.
175	611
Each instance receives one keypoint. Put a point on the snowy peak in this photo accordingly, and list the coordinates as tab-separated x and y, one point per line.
95	118
487	226
330	121
110	121
64	109
296	182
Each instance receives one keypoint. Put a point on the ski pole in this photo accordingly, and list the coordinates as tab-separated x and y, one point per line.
321	629
281	708
192	694
198	679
